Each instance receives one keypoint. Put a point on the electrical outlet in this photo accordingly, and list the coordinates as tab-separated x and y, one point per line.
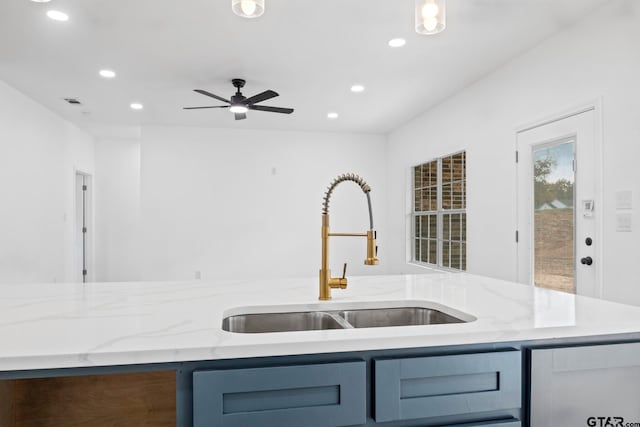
198	275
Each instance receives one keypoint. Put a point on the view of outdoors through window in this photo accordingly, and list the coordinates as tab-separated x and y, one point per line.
553	181
439	211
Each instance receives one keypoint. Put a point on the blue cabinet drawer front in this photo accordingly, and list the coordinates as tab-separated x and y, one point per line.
437	386
314	395
493	424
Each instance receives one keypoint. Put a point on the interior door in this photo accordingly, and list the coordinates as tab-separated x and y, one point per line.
82	227
557	178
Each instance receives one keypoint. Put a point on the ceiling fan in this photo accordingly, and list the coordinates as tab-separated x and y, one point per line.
239	104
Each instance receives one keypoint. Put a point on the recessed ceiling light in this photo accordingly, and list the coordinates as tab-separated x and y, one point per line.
397	42
357	88
136	106
56	15
108	74
332	116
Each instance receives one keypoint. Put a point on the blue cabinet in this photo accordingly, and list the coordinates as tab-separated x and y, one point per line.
329	394
447	389
436	386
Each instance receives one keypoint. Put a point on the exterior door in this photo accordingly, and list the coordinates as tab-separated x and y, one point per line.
557	206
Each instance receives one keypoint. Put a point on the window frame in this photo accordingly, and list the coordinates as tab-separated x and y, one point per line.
439	213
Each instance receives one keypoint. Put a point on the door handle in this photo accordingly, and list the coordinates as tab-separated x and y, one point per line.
586	260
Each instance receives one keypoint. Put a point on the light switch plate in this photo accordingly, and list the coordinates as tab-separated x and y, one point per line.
623	221
624	199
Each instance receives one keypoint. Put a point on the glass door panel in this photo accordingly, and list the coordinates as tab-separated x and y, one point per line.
554	217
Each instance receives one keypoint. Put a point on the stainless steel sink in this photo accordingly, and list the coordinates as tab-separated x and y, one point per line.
337	319
404	316
280	322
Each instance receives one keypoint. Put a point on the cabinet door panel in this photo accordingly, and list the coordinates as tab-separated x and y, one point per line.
570	385
318	395
447	385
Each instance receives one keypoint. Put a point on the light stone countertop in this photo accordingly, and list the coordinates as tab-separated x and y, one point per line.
46	326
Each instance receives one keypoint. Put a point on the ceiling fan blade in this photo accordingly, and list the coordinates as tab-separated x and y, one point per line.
267	94
241	116
270	109
198	108
205	93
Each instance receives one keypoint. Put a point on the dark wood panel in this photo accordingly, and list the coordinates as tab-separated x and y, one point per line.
6	403
132	399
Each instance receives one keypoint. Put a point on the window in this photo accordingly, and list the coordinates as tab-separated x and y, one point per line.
439	212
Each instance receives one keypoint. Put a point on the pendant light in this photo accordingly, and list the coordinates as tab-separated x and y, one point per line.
248	8
430	16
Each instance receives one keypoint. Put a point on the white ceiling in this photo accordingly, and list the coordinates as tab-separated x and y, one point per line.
310	51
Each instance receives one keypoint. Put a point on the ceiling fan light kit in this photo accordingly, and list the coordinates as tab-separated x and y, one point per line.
430	16
238	109
240	104
248	8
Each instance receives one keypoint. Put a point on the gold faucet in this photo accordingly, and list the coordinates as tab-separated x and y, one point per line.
326	281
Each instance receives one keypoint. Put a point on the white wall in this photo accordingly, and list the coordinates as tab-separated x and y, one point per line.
245	204
599	57
117	186
232	203
39	154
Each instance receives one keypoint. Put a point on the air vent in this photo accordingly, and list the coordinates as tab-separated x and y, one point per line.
73	101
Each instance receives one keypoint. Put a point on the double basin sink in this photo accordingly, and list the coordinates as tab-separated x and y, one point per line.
346	318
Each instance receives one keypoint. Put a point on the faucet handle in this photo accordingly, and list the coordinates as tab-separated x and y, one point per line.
339	282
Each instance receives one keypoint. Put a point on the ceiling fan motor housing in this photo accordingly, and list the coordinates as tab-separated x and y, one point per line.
238	99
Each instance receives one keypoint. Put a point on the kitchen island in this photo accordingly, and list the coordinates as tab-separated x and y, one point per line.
519	348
